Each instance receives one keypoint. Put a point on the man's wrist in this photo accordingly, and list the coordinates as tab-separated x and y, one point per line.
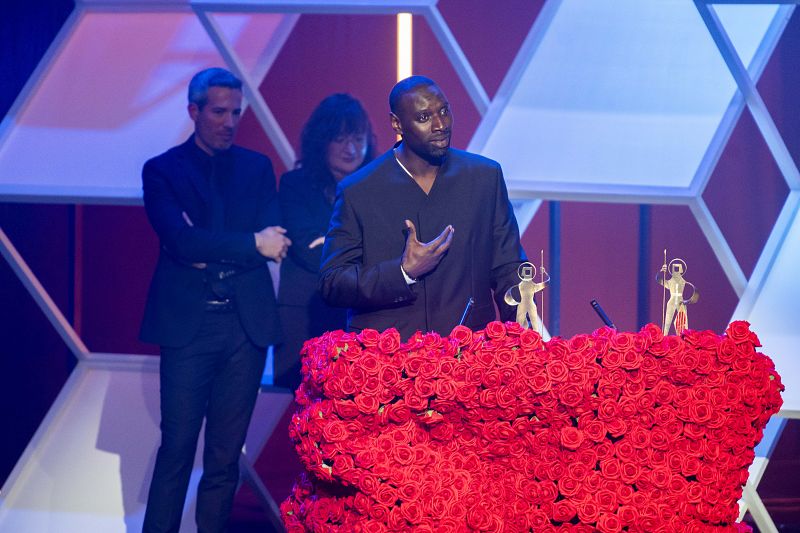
409	279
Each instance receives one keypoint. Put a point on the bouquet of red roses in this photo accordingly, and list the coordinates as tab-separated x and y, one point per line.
496	430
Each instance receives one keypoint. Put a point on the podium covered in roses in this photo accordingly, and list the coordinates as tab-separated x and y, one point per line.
496	430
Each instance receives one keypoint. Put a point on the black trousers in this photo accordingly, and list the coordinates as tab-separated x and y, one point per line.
299	324
215	377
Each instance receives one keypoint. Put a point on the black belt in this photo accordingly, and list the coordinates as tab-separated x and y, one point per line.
220	306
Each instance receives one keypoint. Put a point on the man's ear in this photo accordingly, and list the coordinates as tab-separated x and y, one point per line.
398	129
193	110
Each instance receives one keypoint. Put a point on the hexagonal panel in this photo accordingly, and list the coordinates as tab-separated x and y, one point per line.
581	115
746	181
133	110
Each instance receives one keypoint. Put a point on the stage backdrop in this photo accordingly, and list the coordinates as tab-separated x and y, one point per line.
635	144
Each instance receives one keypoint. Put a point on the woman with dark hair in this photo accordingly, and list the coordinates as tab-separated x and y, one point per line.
336	141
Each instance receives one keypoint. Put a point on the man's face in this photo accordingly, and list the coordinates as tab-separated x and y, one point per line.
346	153
424	121
216	123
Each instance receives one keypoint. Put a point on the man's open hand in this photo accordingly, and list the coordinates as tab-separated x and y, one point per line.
420	258
272	242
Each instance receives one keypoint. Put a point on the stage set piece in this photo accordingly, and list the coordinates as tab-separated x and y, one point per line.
497	430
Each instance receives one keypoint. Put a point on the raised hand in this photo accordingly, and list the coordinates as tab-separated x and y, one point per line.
272	242
420	258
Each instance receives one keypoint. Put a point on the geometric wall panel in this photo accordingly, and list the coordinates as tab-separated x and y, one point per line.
88	467
641	117
113	94
629	118
772	307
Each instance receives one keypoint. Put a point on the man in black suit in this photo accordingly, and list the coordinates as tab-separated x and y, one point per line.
211	304
376	260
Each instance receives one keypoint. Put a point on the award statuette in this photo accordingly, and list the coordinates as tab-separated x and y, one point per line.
676	304
527	315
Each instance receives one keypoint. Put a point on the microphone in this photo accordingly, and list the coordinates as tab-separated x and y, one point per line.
603	316
467	309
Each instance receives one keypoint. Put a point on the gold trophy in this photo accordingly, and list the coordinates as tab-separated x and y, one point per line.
527	315
676	304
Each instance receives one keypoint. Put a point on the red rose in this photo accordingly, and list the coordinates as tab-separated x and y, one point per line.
569	485
412	512
445	388
606	499
609	523
506	397
366	403
398	413
610	468
462	334
628	514
386	494
616	427
425	388
537	519
368	337
574	360
694	492
495	330
639	437
372	386
588	511
540	383
612	359
506	357
571	438
415	401
571	395
557	370
622	341
739	331
346	408
726	350
530	340
478	517
389	341
595	430
652	332
563	511
369	363
629	472
514	328
707	474
343	465
334	431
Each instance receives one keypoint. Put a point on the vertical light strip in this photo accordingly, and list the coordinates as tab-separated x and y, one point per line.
404	32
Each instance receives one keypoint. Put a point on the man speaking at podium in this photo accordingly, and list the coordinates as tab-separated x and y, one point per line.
423	229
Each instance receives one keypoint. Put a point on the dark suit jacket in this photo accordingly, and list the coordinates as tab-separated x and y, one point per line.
306	215
178	181
366	238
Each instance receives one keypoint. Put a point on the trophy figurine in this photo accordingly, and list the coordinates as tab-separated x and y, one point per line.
676	304
527	315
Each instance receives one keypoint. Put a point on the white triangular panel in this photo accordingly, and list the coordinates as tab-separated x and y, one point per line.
627	116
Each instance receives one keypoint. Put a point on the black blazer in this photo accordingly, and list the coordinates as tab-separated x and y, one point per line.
366	238
306	214
176	182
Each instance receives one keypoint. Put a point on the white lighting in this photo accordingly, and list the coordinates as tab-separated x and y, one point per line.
404	45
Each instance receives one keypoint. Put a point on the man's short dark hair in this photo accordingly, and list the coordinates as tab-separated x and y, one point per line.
404	87
211	77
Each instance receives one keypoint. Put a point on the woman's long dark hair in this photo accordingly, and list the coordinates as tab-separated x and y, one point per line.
338	114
